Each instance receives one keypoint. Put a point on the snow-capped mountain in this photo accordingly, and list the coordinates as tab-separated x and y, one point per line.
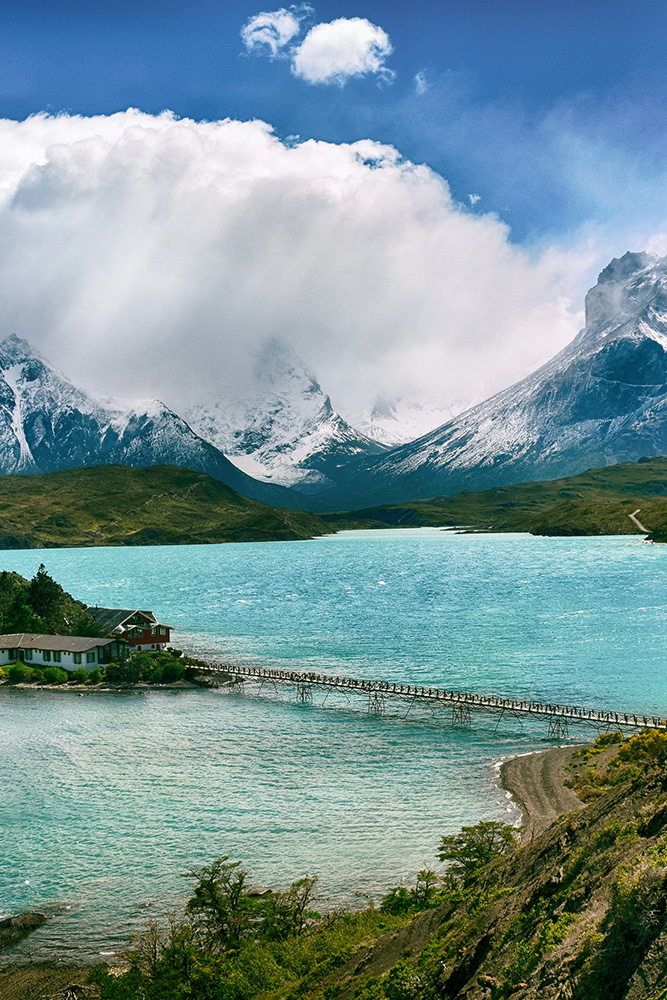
47	424
601	400
397	421
285	430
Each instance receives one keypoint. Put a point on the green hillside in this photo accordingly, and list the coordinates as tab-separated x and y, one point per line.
119	505
596	502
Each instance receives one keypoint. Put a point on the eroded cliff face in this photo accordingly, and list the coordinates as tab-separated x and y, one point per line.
579	912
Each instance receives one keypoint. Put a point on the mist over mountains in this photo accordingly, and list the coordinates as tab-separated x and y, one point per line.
601	400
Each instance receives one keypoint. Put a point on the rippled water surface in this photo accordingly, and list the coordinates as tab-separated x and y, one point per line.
107	798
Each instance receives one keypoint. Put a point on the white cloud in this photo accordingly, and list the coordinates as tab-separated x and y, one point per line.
473	199
270	32
338	50
421	83
147	255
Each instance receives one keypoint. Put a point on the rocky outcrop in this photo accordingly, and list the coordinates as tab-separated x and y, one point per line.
14	929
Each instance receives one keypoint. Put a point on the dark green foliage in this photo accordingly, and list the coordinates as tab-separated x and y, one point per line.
220	905
97	675
80	676
19	673
42	606
284	914
45	596
397	900
55	675
423	894
476	846
154	667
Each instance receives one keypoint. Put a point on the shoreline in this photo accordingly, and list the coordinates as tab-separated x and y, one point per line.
536	785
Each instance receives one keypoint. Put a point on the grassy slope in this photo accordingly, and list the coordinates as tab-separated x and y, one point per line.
119	505
596	502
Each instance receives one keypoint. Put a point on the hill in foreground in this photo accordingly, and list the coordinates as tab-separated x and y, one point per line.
579	912
120	505
597	502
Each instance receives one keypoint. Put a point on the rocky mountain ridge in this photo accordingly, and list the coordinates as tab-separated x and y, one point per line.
48	424
601	400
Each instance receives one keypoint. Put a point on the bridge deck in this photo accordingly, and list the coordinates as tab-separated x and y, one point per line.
462	703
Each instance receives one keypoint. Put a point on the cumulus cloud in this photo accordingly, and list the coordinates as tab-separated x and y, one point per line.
149	255
338	50
270	32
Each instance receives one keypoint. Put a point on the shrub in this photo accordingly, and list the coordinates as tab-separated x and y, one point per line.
79	676
398	900
96	676
20	673
167	672
2	673
37	676
55	675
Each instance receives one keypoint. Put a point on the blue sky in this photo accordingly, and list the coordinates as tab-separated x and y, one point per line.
521	98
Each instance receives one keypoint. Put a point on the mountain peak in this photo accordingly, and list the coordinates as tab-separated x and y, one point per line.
625	288
15	350
277	363
629	264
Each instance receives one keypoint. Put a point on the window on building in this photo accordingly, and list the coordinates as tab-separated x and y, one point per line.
28	654
46	655
57	656
12	654
90	656
77	657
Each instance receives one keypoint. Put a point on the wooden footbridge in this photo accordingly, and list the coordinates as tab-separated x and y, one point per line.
461	705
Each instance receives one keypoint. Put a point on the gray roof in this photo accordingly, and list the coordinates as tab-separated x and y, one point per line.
111	618
65	643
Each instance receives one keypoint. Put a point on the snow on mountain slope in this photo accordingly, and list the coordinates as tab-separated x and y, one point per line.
47	423
397	421
601	400
286	431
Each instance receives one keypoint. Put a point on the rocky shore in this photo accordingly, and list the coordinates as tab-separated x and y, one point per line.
536	782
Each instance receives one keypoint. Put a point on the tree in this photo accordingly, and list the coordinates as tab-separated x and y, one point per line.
45	596
398	900
19	616
476	846
424	890
286	913
220	905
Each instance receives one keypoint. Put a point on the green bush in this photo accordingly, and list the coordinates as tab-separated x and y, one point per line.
55	675
79	676
398	900
37	676
20	673
167	672
97	675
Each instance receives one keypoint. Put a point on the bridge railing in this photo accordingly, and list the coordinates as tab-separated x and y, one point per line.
494	704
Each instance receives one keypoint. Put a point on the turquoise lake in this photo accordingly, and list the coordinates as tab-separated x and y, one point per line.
108	798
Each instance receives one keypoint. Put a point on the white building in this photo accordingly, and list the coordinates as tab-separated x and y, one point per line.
67	651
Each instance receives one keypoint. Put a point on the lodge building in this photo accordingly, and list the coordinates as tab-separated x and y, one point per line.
67	651
140	629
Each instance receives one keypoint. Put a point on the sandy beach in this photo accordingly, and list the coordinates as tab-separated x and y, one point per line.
536	782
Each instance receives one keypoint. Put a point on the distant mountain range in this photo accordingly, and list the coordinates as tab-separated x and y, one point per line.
601	400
